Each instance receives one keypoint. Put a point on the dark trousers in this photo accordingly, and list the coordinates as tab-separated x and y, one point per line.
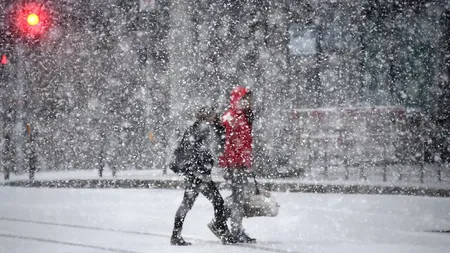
238	182
194	186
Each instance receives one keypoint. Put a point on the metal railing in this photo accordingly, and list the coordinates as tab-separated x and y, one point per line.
390	142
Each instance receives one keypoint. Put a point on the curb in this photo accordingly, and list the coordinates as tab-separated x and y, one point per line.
276	187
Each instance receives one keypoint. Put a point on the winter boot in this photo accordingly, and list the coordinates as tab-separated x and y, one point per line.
179	241
242	237
224	235
176	238
228	239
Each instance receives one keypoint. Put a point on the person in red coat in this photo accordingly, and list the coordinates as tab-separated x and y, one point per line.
237	154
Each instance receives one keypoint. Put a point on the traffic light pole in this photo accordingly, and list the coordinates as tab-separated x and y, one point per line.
20	100
24	97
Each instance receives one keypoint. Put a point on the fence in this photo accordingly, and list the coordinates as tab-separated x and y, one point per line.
390	141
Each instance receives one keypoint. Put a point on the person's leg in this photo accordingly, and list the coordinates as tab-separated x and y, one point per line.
190	195
239	181
237	192
210	191
219	224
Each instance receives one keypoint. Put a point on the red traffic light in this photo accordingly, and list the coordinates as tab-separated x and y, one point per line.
4	60
32	20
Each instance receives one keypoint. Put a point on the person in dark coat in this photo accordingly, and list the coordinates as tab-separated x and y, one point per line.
194	162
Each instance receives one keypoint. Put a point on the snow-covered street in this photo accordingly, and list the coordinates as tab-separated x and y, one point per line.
117	220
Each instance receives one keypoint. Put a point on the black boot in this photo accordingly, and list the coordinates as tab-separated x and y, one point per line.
224	235
242	237
179	241
176	238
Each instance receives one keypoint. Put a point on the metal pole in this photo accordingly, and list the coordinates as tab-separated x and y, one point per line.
21	97
439	171
422	161
326	159
24	93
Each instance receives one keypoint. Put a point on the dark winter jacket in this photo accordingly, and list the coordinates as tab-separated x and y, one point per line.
238	141
192	155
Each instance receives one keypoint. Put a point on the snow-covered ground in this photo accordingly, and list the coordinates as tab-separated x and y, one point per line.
140	220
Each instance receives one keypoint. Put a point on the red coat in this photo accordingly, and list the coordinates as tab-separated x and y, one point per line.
238	130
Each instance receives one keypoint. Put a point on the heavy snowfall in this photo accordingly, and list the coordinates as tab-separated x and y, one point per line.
349	123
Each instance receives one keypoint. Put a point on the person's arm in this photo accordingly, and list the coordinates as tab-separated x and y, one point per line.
219	130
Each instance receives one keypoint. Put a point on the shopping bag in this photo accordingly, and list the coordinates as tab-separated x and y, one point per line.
260	204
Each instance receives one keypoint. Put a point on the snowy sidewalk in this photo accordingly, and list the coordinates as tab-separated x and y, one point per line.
156	179
141	221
